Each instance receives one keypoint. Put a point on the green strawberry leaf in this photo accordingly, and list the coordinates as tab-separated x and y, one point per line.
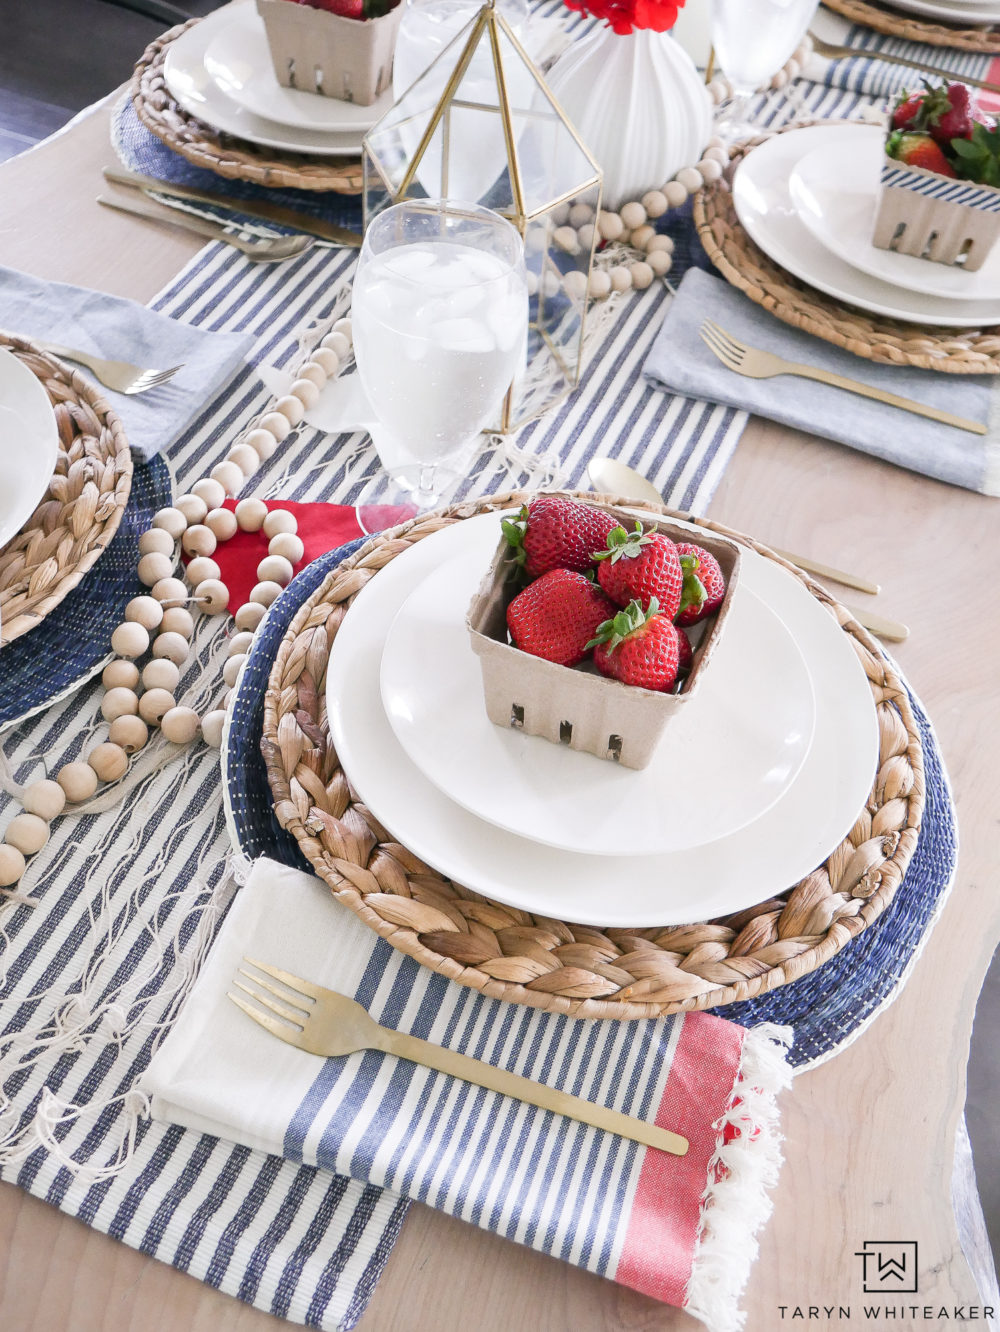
622	543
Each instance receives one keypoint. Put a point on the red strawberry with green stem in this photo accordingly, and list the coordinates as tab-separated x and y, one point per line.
557	533
641	565
557	615
711	578
638	647
918	150
685	653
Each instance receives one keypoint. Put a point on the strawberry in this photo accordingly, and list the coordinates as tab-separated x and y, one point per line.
709	577
906	112
345	8
640	565
956	122
557	615
557	533
918	150
685	654
638	647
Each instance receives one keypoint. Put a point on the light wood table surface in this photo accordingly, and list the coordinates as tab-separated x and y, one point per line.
870	1135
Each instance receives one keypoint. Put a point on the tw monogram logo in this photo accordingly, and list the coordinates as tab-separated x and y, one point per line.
889	1266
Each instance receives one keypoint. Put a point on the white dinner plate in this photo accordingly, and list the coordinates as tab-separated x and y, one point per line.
239	60
769	855
189	81
835	189
724	759
763	202
962	12
29	444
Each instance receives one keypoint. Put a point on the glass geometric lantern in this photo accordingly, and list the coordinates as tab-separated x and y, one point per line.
480	126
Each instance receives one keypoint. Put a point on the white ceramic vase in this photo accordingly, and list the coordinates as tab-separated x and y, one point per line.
638	103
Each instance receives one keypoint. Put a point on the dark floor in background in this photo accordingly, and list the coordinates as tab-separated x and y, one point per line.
58	56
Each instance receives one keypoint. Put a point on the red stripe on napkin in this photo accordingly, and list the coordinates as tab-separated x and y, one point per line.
663	1227
988	101
322	527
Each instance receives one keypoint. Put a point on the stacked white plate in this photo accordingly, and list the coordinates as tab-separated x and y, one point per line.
29	444
747	793
959	13
220	71
808	198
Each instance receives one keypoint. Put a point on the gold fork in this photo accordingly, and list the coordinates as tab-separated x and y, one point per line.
121	376
326	1023
832	52
758	364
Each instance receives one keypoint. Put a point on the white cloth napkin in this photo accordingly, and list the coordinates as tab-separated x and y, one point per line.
121	330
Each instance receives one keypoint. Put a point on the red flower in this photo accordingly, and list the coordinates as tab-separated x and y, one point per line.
625	15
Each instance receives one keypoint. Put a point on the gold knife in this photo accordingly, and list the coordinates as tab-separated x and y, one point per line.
832	52
261	209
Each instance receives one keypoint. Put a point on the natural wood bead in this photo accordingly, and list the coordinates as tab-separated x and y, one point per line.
599	284
199	540
587	235
193	507
567	239
289	546
45	798
275	424
161	673
327	360
229	477
178	620
690	178
172	646
266	593
642	276
27	833
336	342
621	278
609	225
660	262
709	170
131	733
715	155
245	458
580	214
249	615
200	569
146	611
211	727
239	643
660	243
152	706
130	639
291	408
226	699
12	864
655	203
279	520
575	283
120	675
211	492
212	596
275	569
314	372
633	215
306	392
639	240
109	761
155	541
221	523
180	725
250	514
170	592
78	780
674	193
119	702
263	444
154	566
231	669
172	522
344	326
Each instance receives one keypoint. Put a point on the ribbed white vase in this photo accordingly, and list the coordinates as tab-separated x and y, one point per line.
638	103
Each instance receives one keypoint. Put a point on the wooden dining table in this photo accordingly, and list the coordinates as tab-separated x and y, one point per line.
875	1148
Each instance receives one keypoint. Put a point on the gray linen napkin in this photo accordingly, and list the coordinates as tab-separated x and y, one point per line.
122	330
680	361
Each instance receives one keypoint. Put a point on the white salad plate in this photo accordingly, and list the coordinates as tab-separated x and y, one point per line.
767	856
764	205
964	12
722	762
29	444
188	80
835	190
238	58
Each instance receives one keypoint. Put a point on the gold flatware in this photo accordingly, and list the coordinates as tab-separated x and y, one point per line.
326	1023
617	478
267	251
118	375
757	364
833	52
260	209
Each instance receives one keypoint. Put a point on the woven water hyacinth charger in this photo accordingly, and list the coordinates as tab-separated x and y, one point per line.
875	337
557	965
984	40
227	156
82	509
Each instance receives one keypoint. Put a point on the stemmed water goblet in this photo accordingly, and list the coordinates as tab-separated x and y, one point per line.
752	40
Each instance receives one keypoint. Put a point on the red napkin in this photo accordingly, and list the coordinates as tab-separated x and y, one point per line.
322	527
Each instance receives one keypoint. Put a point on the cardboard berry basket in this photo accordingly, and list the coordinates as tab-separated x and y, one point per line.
578	707
315	51
931	216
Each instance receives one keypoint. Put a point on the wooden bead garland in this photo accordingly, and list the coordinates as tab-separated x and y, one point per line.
160	622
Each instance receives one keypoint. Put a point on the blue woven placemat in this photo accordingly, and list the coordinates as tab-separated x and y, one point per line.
70	644
828	1008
